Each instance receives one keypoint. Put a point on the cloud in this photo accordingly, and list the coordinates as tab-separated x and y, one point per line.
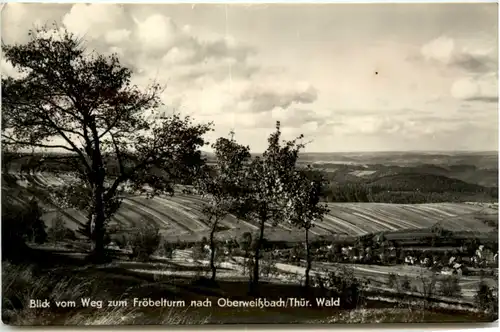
210	76
94	21
18	18
264	98
117	36
7	69
416	127
319	80
159	34
478	56
291	118
155	38
207	72
475	63
465	88
486	99
482	88
440	49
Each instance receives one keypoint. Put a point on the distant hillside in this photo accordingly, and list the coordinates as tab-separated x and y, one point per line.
404	188
356	173
425	182
480	160
392	177
465	173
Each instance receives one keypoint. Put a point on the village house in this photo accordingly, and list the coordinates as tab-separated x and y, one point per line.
410	260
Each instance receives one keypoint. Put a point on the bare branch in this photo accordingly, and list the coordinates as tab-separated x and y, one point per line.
118	155
70	142
38	145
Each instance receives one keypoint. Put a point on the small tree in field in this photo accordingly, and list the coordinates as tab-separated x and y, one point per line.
450	286
303	207
199	250
265	182
486	298
426	287
57	231
20	224
145	241
69	99
246	247
221	185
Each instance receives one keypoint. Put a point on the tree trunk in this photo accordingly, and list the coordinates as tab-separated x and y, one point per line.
98	231
255	280
308	259
212	250
245	263
86	229
99	204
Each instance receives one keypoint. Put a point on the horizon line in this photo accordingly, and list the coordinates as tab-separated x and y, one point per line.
389	151
318	152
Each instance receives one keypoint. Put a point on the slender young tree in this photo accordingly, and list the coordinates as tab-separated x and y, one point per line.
246	246
304	207
222	186
69	99
266	180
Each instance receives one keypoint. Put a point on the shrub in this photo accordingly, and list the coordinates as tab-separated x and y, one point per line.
405	284
167	249
344	284
181	245
268	267
198	251
20	224
248	265
121	241
392	280
450	287
145	242
58	231
297	253
32	220
106	239
334	254
427	289
486	299
245	242
319	281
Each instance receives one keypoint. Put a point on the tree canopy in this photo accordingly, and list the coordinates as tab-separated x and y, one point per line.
67	98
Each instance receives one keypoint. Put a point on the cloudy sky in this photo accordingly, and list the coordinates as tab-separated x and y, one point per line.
349	77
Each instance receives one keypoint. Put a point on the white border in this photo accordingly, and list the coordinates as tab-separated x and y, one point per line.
319	328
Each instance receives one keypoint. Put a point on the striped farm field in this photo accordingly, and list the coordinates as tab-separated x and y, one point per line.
181	217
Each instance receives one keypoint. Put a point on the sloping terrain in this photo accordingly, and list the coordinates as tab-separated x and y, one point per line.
181	216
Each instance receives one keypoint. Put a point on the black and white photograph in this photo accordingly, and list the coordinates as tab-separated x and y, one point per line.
225	163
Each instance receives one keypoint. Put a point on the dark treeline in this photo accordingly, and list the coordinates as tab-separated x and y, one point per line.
408	191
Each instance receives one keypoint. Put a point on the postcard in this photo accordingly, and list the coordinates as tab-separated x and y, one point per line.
187	164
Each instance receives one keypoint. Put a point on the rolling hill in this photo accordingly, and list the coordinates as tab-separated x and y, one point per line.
181	216
424	182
